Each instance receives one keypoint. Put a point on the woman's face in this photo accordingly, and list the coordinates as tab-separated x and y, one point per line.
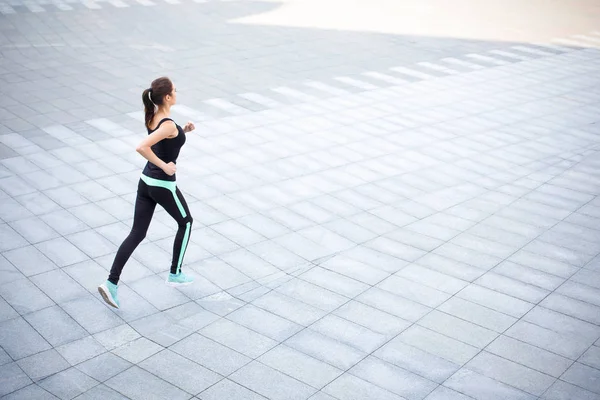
171	98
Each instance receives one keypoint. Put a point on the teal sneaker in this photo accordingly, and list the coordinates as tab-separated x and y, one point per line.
179	279
108	291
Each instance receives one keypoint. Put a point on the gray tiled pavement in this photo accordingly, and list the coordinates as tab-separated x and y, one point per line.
376	216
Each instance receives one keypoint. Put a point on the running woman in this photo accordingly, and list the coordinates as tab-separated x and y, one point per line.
157	185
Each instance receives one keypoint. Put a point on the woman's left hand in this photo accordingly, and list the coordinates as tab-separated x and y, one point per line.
189	127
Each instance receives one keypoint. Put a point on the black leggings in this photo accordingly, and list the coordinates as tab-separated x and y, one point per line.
150	193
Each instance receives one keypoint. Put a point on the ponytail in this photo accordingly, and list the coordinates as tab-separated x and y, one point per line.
149	107
154	96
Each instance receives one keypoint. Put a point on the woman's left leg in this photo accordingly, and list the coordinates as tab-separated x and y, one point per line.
174	203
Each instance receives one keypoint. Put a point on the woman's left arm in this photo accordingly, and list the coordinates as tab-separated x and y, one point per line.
189	127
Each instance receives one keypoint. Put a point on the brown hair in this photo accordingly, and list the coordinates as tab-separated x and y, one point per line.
154	96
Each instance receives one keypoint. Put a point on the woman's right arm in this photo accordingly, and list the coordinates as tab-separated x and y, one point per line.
166	130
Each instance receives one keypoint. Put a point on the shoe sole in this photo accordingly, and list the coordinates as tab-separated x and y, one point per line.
106	296
175	284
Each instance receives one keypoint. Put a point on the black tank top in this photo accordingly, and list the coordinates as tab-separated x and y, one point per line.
167	150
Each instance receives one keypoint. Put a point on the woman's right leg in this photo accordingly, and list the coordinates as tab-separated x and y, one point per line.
144	210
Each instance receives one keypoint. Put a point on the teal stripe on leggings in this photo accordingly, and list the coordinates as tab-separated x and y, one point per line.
186	238
172	187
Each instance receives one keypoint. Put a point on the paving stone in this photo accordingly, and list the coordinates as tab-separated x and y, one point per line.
558	253
43	364
443	393
484	246
264	322
10	238
376	258
393	304
377	321
468	256
237	337
543	263
113	338
101	392
104	366
249	264
414	291
137	350
355	269
24	296
4	358
220	273
68	383
456	328
511	373
432	278
481	387
396	249
210	354
589	278
16	186
191	315
438	344
349	333
496	301
418	361
22	221
220	303
55	325
303	247
58	286
80	350
227	389
91	243
478	315
38	203
335	282
392	378
13	378
181	372
352	388
591	357
271	383
512	287
64	222
529	356
325	349
154	290
530	276
313	295
565	391
29	260
583	376
581	292
61	252
451	267
6	311
289	308
300	366
572	307
566	346
135	383
92	315
321	396
277	255
32	392
563	324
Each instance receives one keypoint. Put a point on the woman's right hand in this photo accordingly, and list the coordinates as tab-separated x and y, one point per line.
170	168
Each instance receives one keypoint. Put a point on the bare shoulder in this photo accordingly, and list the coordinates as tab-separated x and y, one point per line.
167	128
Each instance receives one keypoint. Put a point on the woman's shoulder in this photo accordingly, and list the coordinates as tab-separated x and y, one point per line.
165	120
